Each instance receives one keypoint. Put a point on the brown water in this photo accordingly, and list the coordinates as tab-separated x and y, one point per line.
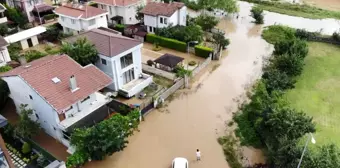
196	117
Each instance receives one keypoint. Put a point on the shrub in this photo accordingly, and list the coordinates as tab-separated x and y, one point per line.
277	33
167	42
203	51
336	36
295	47
5	68
13	50
182	72
150	62
3	29
182	33
192	63
50	16
206	22
192	5
26	148
257	14
303	34
119	27
33	55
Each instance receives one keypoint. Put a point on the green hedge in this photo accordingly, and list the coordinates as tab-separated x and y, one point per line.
203	51
5	68
40	149
167	42
50	16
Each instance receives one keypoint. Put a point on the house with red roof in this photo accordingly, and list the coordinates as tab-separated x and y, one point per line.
60	91
120	58
76	18
121	11
160	14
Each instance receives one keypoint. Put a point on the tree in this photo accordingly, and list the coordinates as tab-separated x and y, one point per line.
292	47
292	65
3	29
277	80
4	92
82	51
16	16
220	40
206	22
182	33
139	16
26	128
257	14
52	34
326	156
104	138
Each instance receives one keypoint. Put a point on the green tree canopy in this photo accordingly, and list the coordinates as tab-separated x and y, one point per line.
16	16
82	51
257	14
139	16
26	128
220	40
206	22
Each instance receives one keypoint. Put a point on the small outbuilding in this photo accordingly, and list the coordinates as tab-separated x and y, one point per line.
27	38
168	62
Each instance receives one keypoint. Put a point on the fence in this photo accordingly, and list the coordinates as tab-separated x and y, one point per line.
201	66
169	91
159	72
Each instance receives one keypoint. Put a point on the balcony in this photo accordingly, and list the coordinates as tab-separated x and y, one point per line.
77	118
3	20
132	88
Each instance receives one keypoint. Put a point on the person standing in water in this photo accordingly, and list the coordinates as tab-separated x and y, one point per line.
198	155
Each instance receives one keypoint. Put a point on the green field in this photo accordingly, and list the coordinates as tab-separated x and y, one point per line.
317	91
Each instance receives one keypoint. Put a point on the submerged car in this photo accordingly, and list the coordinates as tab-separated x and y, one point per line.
180	162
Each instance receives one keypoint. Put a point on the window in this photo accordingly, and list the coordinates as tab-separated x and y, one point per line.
103	61
128	76
165	21
161	20
73	21
31	97
126	60
150	29
92	22
66	135
88	97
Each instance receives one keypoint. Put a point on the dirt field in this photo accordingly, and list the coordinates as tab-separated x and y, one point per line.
326	4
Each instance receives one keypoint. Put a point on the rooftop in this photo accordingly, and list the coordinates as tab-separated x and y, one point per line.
107	43
160	8
25	34
169	60
79	11
117	2
38	75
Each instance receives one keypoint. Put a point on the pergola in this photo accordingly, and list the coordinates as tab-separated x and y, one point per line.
168	62
118	19
41	10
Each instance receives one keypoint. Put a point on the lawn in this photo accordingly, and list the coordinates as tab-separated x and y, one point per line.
317	91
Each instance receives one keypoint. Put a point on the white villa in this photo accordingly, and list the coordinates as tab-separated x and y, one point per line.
4	55
120	11
159	15
27	38
76	18
59	90
120	58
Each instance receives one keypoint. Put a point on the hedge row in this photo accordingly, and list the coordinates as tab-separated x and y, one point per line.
167	42
50	16
203	51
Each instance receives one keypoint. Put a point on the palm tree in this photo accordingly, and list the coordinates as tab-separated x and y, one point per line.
82	51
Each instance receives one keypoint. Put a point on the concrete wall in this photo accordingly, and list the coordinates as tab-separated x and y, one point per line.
24	43
67	22
82	24
4	56
174	19
150	21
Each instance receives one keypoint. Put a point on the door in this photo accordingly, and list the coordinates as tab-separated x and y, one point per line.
29	41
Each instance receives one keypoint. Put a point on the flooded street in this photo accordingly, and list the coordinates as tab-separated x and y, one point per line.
195	118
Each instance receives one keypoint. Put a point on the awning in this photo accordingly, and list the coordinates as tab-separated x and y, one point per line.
116	18
3	121
42	8
169	60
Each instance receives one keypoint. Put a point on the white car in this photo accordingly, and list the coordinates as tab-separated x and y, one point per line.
180	162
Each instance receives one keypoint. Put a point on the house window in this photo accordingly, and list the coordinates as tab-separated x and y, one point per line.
31	97
92	22
103	61
165	21
161	20
66	135
73	21
88	97
128	76
126	60
150	29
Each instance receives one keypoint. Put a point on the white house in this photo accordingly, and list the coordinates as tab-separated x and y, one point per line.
59	90
120	58
4	55
159	15
3	18
120	11
29	7
27	38
76	17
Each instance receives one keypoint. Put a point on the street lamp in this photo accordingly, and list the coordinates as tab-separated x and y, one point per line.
193	42
310	138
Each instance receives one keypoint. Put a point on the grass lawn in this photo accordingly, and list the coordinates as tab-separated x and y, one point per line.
305	11
317	91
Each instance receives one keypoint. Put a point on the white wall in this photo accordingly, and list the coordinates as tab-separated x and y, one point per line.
174	18
4	56
82	24
79	106
183	16
178	18
108	69
126	12
66	22
150	20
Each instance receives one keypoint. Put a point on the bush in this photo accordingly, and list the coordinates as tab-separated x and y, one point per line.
167	42
257	14
206	22
13	50
156	47
203	51
192	63
33	55
295	47
26	148
303	34
119	27
150	62
50	16
5	68
182	33
3	29
278	33
336	36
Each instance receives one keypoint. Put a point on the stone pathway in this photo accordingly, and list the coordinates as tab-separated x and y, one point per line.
18	163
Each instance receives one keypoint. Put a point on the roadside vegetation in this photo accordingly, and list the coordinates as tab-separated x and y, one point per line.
300	10
257	14
269	121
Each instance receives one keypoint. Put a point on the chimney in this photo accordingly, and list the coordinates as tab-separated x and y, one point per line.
73	84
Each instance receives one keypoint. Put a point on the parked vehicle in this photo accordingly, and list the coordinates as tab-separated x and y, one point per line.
180	162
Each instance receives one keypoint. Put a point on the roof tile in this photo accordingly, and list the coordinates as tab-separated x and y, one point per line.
160	8
78	10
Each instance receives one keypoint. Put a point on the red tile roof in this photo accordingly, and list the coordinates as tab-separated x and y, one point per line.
107	43
79	11
117	2
40	73
160	8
